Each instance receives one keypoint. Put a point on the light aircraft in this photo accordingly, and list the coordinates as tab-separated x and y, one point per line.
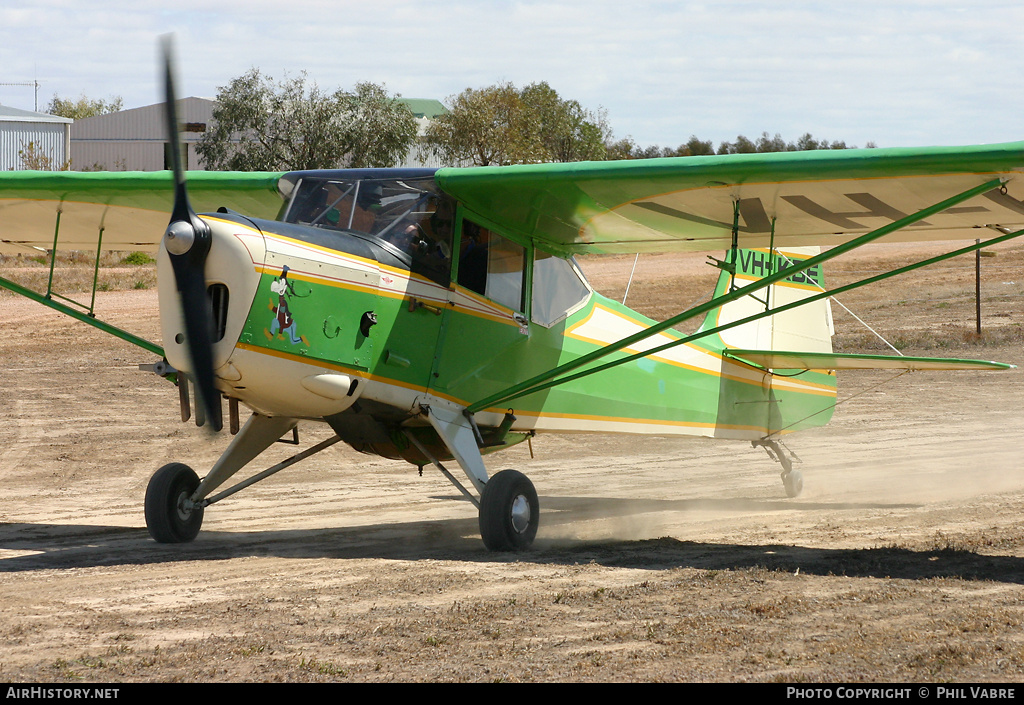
438	315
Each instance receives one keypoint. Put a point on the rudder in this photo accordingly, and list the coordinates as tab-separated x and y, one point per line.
805	328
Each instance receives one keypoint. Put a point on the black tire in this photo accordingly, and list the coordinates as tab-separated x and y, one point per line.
509	512
166	519
793	481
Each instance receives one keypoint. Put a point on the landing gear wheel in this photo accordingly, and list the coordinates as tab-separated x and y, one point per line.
509	512
793	481
170	518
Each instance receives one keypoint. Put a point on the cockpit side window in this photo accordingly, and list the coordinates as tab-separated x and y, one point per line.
422	228
559	289
492	265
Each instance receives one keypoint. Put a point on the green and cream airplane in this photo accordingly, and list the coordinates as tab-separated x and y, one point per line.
437	316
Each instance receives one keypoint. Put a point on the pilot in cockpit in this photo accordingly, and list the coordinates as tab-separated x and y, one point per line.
427	232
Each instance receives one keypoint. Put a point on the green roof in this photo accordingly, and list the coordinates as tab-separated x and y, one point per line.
424	107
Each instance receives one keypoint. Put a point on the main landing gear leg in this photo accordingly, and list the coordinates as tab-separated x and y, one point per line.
175	497
509	508
792	480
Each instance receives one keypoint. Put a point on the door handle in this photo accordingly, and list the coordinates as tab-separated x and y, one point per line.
416	303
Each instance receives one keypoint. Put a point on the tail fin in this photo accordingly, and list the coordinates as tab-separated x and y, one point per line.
785	402
804	328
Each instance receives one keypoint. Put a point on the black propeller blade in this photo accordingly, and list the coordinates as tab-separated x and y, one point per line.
187	240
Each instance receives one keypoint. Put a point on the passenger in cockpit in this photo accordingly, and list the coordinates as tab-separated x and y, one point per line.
353	213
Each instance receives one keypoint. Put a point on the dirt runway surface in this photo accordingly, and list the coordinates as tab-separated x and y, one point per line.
657	559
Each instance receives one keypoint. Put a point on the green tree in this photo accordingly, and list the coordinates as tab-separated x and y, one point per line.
627	149
380	130
742	145
566	132
772	144
807	142
764	143
695	147
624	148
486	126
263	125
501	125
83	107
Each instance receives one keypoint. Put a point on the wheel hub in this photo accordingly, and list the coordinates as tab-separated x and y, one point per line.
520	514
184	506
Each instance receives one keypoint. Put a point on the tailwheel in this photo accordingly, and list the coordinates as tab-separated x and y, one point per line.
170	515
509	512
793	481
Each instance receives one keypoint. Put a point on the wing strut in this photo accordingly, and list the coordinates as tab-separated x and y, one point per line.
82	316
551	377
88	313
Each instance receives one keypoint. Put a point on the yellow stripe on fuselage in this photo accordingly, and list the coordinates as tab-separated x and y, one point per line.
707	362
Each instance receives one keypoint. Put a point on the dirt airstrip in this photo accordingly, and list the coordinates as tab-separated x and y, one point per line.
657	558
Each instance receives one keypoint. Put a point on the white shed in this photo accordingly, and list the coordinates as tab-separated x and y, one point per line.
47	137
136	139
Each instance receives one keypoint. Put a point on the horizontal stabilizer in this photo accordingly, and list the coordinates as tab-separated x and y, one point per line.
785	360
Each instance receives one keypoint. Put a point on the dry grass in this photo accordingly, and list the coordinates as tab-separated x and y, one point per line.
685	624
935	308
73	271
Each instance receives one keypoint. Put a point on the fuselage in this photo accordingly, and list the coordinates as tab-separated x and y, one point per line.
375	294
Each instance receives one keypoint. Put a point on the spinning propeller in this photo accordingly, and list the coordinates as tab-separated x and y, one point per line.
187	241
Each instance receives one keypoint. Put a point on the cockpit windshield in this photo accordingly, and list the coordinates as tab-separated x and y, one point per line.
411	215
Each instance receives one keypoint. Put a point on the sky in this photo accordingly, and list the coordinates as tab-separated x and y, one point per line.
895	73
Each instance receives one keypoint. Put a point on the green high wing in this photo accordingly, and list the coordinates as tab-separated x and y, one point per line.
788	199
654	205
127	211
120	210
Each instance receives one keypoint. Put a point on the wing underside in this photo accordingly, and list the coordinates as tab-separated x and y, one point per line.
789	199
129	210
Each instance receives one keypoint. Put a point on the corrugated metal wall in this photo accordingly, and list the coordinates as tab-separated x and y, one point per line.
116	155
46	138
134	140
